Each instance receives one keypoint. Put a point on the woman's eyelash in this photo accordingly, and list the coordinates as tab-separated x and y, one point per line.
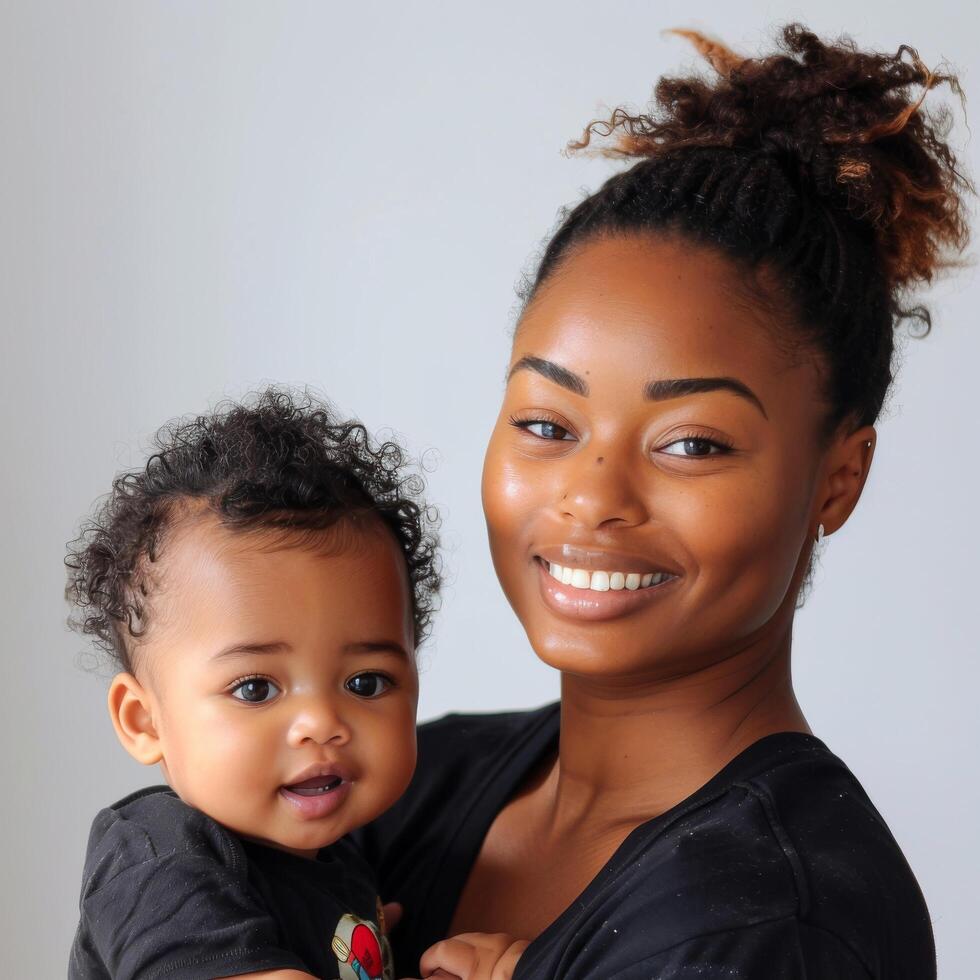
720	441
523	423
717	446
557	432
551	430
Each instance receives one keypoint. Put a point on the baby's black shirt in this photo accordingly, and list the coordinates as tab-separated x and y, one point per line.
167	892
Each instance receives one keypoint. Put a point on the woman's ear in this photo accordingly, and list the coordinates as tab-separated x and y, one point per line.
849	462
130	709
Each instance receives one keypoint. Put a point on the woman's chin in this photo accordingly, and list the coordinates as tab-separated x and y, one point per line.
600	658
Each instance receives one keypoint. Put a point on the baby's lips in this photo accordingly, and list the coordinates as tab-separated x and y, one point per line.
316	782
318	775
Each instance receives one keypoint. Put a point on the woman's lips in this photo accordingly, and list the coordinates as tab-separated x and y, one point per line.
589	604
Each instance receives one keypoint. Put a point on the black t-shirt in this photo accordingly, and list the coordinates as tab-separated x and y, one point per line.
779	868
168	892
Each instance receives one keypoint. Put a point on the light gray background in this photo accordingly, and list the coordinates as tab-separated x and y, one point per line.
196	198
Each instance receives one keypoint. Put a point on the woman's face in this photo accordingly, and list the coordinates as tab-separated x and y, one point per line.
649	486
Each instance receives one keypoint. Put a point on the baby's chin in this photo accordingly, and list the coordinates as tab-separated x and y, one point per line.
303	839
309	853
304	845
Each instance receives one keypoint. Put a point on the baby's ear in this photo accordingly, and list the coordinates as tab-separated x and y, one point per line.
132	717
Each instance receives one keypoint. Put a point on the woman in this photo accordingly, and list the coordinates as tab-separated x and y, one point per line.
690	408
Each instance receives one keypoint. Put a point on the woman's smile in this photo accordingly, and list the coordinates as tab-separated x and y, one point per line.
600	594
578	565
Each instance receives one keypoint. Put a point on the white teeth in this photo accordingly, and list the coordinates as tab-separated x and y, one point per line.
602	581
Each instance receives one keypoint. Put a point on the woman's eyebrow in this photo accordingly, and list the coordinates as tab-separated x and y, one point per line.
678	387
551	371
655	391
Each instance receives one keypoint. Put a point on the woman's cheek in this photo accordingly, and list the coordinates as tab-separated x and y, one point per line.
749	558
509	500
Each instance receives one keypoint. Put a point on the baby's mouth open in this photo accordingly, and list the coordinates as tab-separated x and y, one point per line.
315	786
318	795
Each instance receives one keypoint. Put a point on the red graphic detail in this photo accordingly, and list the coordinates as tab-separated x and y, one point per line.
366	949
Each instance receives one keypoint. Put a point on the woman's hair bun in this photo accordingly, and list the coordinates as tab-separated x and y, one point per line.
848	125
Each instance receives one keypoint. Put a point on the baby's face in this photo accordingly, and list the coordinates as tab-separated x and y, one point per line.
283	679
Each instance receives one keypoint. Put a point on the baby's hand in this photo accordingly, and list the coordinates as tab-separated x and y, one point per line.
474	956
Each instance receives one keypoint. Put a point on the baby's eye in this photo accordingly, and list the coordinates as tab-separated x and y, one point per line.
255	690
368	685
547	430
694	447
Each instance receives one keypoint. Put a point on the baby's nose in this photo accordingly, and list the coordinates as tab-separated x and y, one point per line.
318	720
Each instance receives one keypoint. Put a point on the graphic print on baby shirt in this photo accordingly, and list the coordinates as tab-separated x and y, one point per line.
362	952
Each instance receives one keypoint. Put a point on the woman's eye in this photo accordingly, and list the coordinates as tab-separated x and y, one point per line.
254	690
547	430
368	685
693	447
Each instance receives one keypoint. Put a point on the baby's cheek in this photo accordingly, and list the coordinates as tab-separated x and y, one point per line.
395	758
215	755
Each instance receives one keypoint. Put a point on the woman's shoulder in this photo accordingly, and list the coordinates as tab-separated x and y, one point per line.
834	840
782	845
850	876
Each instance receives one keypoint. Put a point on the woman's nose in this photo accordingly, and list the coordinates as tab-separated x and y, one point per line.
317	719
600	491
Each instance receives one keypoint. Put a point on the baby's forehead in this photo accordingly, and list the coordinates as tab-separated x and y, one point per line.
197	533
214	577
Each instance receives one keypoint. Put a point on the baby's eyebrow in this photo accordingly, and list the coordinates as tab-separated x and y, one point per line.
247	649
378	646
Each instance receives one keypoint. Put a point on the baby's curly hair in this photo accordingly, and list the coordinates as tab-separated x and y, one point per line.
276	460
816	164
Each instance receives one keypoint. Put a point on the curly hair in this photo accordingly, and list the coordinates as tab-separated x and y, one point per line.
816	166
273	461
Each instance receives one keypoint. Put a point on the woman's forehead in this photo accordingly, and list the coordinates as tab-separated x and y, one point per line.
647	309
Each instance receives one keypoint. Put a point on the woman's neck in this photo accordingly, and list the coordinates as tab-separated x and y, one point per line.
630	752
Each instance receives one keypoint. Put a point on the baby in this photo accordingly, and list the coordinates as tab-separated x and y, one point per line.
261	586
